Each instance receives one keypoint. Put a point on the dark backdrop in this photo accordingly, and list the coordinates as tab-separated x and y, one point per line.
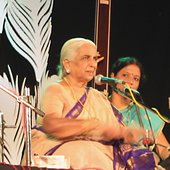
142	29
138	28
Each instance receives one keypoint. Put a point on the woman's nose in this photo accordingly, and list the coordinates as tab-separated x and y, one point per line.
130	80
93	62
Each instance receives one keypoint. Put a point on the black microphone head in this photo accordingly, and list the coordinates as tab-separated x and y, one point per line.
97	79
133	91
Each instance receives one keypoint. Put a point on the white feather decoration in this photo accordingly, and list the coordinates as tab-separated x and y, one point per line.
3	4
13	131
28	28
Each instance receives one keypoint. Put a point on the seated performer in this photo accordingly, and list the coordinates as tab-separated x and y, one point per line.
130	70
80	122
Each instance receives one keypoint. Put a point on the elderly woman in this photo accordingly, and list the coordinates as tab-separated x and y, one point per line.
79	121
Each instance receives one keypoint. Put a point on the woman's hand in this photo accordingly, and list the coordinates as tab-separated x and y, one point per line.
133	135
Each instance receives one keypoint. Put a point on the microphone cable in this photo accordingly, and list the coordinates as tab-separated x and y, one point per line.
145	141
162	117
142	106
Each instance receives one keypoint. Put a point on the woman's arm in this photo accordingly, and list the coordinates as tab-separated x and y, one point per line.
93	129
70	128
162	146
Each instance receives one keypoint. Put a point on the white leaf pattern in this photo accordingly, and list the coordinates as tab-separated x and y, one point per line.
3	4
28	28
13	133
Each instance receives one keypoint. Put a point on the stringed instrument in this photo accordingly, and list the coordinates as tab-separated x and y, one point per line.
102	37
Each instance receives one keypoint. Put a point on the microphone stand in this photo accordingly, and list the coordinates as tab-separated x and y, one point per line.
29	107
2	135
28	129
122	93
20	99
2	128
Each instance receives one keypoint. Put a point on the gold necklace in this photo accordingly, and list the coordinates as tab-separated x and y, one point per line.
72	92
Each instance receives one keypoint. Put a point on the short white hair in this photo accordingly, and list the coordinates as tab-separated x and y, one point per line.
68	51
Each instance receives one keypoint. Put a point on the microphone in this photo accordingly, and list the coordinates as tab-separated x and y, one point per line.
100	79
126	89
135	93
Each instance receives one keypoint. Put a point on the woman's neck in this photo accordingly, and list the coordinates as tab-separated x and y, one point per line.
119	101
75	84
76	89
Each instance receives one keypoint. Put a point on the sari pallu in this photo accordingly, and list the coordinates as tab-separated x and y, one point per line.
130	157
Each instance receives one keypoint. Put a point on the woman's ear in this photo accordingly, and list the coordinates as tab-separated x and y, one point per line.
112	75
66	65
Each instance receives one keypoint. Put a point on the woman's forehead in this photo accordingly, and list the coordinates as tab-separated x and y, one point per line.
87	49
132	68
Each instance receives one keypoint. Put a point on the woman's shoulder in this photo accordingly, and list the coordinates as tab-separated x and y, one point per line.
55	91
56	86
